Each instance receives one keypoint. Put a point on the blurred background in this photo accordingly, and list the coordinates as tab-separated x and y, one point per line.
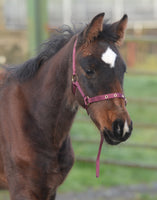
129	170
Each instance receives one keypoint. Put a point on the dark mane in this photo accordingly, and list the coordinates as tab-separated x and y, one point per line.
50	48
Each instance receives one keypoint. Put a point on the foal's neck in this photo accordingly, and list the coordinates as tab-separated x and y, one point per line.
57	107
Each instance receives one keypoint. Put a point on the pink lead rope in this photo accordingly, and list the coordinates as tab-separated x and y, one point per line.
89	100
98	156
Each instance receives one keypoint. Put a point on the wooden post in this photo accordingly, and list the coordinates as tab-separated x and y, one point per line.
131	54
37	24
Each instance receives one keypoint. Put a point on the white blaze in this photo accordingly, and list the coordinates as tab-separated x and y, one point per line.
109	57
126	128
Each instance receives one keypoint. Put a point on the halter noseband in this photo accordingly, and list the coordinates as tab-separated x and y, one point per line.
88	100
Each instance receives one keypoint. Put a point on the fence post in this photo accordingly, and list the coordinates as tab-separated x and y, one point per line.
37	24
131	54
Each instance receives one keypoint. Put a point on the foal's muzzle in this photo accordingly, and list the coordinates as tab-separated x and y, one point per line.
121	131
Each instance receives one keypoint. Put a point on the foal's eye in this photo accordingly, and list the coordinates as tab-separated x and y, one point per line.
89	72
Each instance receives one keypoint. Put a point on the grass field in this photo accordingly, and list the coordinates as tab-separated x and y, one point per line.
82	175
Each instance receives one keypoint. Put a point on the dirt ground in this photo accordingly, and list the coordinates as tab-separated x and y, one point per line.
134	192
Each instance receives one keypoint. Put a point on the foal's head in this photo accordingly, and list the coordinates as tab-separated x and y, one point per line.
100	72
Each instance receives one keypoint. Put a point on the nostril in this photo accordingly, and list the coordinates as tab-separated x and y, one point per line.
121	129
127	131
118	128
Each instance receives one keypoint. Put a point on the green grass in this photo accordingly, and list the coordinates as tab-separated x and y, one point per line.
82	176
4	195
140	86
146	197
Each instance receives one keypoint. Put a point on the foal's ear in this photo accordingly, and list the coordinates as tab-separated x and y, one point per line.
120	27
94	28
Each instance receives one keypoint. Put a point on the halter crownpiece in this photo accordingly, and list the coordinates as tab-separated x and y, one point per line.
89	100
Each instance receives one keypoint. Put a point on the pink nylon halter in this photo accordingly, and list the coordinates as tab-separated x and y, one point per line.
88	100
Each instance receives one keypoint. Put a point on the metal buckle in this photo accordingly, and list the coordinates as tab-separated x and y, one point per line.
86	100
74	78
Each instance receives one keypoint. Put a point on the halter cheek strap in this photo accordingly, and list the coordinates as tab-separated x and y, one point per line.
89	100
